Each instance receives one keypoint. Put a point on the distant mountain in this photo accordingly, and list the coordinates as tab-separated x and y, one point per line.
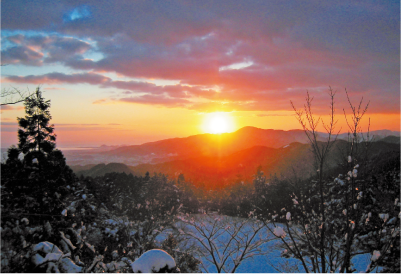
202	168
214	145
376	134
203	147
211	145
216	171
384	133
78	168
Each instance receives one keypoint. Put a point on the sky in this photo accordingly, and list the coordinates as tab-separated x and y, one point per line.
129	72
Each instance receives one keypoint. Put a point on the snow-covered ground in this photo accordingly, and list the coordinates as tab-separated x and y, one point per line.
152	261
272	262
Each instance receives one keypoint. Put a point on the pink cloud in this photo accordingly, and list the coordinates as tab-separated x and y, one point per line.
240	90
6	107
156	100
39	49
58	78
293	47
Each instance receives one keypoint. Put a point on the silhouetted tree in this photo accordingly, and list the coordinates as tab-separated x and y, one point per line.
35	167
36	136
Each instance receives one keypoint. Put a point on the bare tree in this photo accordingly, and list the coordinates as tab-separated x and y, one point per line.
338	219
224	242
14	96
320	151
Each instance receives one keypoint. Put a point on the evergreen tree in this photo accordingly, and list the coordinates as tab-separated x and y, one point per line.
36	156
36	136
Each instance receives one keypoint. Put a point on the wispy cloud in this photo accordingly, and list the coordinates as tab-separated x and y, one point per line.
9	107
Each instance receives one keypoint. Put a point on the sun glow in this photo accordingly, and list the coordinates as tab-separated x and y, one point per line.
218	122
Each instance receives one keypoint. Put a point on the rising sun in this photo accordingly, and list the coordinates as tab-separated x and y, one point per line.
218	122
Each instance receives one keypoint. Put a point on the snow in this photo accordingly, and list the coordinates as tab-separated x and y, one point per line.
25	220
355	173
112	232
46	247
376	255
279	232
384	217
152	261
111	222
52	257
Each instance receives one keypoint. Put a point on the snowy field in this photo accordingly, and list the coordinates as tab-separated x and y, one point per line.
271	262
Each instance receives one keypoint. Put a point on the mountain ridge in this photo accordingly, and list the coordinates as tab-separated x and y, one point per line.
213	144
208	145
293	159
220	144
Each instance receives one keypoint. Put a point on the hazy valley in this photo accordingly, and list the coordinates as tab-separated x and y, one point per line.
209	157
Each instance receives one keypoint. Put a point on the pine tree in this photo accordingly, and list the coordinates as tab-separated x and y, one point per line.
36	136
35	162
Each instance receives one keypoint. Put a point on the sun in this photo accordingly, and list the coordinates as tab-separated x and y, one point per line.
218	122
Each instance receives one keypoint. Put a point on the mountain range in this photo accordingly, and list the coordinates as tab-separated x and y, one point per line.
229	156
213	144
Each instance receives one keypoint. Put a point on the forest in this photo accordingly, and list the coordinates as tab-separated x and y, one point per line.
55	221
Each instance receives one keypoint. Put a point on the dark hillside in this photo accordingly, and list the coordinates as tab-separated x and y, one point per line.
102	169
291	160
219	171
391	139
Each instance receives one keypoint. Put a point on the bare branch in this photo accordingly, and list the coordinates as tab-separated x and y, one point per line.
225	242
14	96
